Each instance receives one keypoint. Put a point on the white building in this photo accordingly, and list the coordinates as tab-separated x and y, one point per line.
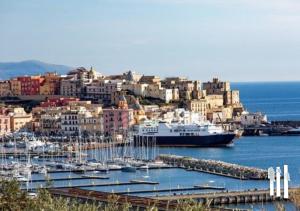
156	91
183	116
102	90
137	88
253	118
152	90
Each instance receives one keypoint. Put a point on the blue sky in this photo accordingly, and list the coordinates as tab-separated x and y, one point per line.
236	40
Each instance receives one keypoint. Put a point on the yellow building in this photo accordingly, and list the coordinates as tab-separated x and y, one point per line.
215	101
199	106
232	97
20	119
15	87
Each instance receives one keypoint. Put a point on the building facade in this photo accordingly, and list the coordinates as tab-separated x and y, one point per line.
5	88
30	85
198	106
5	126
20	120
118	120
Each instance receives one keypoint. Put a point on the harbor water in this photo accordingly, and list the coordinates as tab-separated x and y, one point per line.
261	152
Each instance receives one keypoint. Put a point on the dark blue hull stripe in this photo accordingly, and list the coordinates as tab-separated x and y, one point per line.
197	141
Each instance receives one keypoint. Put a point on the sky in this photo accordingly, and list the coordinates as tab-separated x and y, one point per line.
235	40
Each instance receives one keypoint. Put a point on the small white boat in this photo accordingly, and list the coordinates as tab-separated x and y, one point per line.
144	167
20	178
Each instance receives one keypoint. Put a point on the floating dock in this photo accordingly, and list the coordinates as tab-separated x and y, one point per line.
216	167
84	177
39	155
93	184
196	187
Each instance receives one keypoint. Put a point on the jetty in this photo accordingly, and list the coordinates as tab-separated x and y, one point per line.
216	167
232	197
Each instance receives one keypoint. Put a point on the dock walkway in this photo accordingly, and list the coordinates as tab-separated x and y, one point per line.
196	187
93	184
232	197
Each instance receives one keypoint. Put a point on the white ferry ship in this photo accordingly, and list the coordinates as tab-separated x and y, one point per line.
179	134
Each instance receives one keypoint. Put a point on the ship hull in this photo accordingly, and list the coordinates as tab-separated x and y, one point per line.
217	140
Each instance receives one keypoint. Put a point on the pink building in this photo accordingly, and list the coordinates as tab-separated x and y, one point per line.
118	120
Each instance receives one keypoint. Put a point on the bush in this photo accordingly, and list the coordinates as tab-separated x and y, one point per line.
14	199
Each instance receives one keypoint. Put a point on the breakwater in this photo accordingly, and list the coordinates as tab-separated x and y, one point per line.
216	167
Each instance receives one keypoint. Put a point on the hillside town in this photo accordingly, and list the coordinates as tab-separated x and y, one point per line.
86	102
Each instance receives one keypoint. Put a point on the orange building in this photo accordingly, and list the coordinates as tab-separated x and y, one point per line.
50	84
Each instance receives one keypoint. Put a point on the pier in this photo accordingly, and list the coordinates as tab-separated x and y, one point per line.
62	154
216	167
222	198
196	187
213	200
104	197
93	184
84	177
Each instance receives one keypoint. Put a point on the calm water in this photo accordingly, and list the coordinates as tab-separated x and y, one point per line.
279	100
260	152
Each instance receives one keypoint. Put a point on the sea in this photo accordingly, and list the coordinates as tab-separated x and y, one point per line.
279	101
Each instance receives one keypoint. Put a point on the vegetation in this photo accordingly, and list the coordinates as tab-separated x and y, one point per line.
14	199
295	198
